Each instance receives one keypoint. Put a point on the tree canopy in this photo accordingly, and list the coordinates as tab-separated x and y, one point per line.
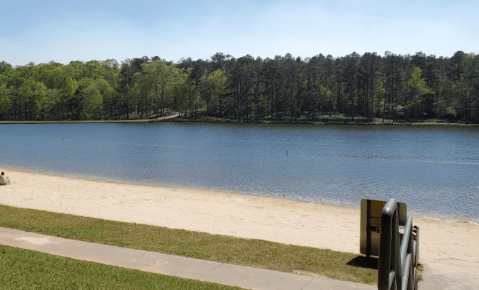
246	89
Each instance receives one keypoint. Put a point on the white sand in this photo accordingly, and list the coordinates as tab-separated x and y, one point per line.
442	244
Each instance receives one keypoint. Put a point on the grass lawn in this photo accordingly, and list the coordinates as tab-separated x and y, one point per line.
24	269
246	252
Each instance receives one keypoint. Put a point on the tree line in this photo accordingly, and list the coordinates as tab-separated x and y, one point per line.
247	89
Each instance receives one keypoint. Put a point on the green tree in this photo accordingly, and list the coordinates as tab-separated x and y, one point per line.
215	85
378	97
107	94
91	103
186	95
33	96
159	77
5	101
415	88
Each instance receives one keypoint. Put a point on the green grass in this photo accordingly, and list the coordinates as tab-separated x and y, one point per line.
24	269
246	252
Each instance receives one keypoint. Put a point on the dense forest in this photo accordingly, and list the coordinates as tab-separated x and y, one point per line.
246	89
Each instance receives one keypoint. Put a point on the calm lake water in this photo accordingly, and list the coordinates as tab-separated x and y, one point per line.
435	170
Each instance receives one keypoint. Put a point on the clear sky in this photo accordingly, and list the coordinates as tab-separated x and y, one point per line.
62	31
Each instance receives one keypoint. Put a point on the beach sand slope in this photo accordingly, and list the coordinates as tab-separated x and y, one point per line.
450	250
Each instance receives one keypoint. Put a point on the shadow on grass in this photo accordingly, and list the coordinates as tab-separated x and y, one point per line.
363	262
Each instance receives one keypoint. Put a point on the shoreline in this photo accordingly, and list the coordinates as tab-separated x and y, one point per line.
175	118
443	244
415	213
235	122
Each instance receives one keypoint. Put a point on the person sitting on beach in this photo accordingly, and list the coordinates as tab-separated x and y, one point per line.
3	179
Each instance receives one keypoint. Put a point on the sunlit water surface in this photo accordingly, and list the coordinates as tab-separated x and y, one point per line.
435	170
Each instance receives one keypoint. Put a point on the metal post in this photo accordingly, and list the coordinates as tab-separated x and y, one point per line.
387	248
368	230
398	258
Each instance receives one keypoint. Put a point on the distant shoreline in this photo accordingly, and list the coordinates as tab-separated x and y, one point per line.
207	119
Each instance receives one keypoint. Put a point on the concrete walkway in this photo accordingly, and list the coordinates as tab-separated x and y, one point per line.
227	274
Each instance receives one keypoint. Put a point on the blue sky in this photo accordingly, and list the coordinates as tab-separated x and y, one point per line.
62	31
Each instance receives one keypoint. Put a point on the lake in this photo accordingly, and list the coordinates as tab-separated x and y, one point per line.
434	169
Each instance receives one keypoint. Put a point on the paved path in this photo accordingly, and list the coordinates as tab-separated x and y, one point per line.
168	117
227	274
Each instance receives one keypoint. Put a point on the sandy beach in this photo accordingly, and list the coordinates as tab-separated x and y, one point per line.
446	247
